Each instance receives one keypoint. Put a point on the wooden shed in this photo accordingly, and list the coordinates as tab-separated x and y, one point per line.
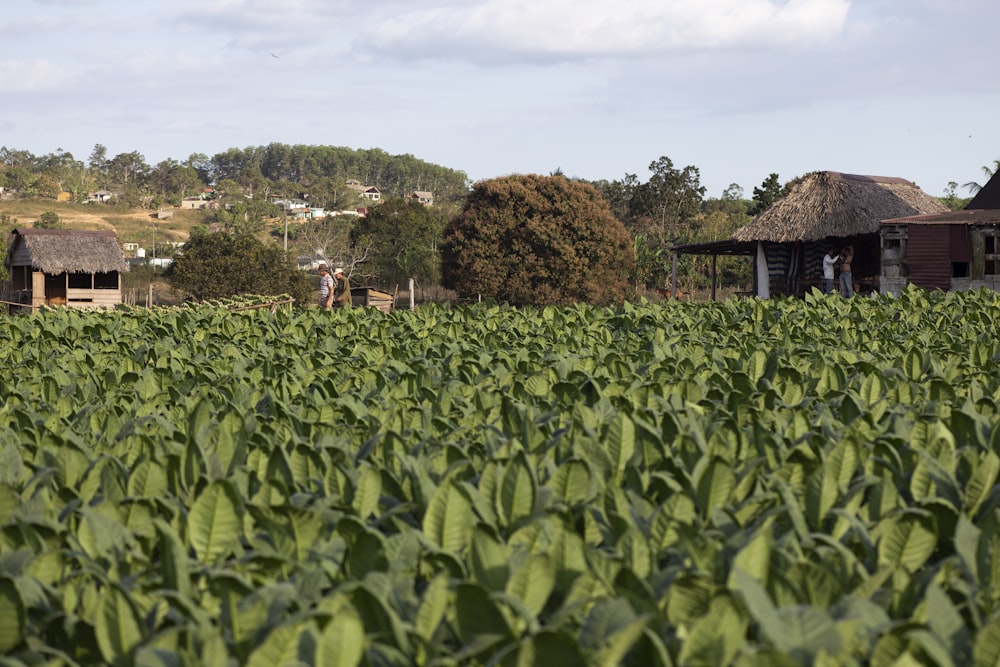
369	296
950	251
827	209
58	267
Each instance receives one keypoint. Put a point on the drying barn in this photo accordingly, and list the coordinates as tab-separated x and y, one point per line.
951	251
827	209
59	267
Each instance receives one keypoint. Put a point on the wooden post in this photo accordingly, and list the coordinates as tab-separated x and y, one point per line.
673	277
37	290
713	276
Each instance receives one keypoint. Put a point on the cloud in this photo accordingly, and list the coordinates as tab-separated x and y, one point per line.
33	76
573	29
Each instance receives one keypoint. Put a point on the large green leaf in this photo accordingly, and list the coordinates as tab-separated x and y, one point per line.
981	483
533	581
550	648
118	627
367	491
448	519
986	652
714	483
489	560
280	647
173	559
907	540
13	617
517	491
755	557
342	642
715	639
478	617
10	501
433	606
572	481
215	525
620	444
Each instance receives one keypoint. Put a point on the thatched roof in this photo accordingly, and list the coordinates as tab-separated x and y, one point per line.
830	204
55	251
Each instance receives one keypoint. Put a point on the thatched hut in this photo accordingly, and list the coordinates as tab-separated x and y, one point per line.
827	209
951	251
53	267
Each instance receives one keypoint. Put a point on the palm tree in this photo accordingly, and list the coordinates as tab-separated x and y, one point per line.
974	187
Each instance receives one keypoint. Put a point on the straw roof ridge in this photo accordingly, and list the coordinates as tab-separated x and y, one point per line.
826	204
55	251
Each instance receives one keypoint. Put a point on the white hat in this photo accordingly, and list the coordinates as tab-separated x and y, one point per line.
337	270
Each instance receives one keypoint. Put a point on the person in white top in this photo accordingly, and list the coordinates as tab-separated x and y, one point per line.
830	260
326	285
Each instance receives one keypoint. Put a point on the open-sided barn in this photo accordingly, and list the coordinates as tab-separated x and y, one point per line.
58	267
827	209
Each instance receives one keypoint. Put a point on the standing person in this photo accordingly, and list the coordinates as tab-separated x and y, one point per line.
326	285
342	289
846	279
829	262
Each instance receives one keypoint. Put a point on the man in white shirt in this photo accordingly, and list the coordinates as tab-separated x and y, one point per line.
829	261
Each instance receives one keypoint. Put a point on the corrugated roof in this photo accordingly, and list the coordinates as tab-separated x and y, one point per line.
963	217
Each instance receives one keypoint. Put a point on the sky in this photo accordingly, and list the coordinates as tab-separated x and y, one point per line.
596	89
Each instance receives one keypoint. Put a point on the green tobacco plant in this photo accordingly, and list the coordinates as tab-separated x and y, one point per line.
742	482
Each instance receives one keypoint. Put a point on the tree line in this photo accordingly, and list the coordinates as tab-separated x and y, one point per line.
316	173
398	240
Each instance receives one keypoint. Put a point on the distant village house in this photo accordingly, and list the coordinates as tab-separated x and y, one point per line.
100	197
421	196
369	192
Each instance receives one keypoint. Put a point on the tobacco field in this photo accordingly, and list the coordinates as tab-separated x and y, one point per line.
783	482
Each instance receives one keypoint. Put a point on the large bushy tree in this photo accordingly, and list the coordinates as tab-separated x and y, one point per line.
541	240
401	238
218	265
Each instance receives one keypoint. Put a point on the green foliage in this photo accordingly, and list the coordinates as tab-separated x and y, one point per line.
401	240
537	240
218	265
48	220
241	216
951	198
747	482
770	191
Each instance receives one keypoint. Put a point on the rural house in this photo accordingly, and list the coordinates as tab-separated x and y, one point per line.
827	209
59	267
951	251
100	197
422	197
369	192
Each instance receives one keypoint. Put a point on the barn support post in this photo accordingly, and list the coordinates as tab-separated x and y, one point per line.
673	275
714	275
761	270
37	290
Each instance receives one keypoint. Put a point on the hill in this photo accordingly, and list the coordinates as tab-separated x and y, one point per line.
132	225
